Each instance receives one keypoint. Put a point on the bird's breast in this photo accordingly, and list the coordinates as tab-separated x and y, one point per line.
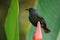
33	19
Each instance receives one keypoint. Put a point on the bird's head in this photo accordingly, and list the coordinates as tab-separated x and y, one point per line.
31	10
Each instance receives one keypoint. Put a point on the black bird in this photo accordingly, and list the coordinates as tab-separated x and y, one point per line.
34	18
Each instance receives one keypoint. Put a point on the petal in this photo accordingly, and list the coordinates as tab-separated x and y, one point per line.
38	34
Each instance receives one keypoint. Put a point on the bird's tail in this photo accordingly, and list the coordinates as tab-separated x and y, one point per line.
46	30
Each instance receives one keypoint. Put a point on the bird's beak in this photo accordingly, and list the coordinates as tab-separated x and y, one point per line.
26	9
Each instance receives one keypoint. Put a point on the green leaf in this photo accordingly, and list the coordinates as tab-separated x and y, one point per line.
11	24
50	10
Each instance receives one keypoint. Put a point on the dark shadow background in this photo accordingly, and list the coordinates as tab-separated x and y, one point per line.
4	6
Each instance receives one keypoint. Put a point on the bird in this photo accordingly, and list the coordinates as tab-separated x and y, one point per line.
34	17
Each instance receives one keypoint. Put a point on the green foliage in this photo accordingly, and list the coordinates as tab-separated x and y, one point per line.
11	24
50	10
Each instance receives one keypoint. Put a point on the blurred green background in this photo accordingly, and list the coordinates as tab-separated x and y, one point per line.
14	23
49	9
9	10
